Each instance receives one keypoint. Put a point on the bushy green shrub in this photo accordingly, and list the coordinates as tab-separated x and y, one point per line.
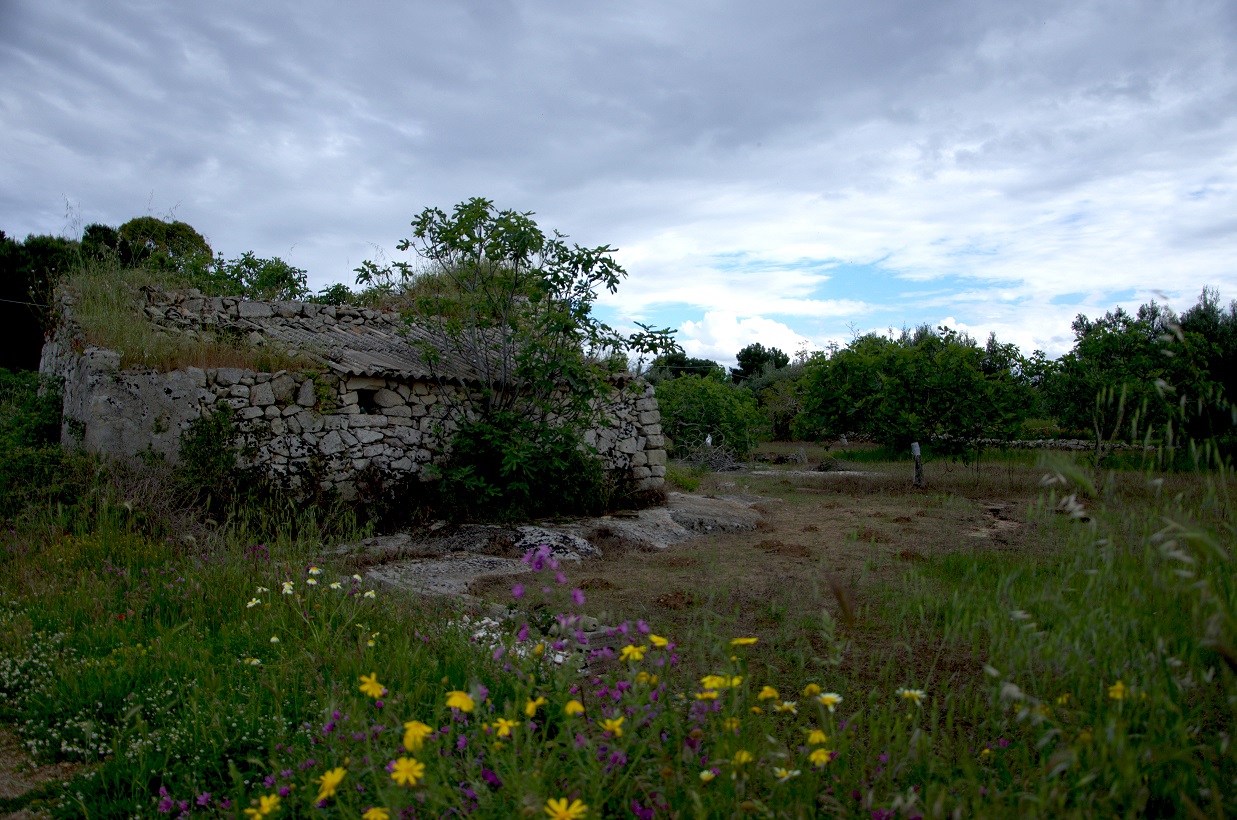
694	408
510	467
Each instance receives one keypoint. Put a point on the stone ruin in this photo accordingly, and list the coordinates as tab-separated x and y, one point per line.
368	406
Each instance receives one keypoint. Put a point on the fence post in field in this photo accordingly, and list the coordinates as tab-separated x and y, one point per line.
915	454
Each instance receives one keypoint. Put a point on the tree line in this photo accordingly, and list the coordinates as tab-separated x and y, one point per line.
1151	376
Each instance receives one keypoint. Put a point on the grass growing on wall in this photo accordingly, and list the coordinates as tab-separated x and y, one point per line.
108	307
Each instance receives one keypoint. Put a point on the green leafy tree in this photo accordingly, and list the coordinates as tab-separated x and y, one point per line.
677	363
920	386
697	408
174	245
754	359
257	278
512	306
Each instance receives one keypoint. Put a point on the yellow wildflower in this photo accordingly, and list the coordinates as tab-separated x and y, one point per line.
731	724
539	650
817	738
707	694
315	571
415	733
820	757
742	756
811	690
1064	699
1118	691
573	707
658	641
743	641
768	693
613	725
530	708
370	685
756	710
633	652
829	700
783	775
714	681
267	804
407	771
645	677
460	700
560	809
706	776
329	782
376	813
505	726
787	706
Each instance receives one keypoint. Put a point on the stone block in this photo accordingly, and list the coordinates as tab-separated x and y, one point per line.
254	310
261	395
368	436
628	445
305	396
388	398
311	422
350	410
272	412
348	438
291	410
403	465
656	458
641	472
639	459
283	386
349	398
658	470
235	403
644	405
239	391
197	375
399	411
372	450
227	376
278	428
364	383
652	429
655	442
650	417
335	422
249	413
331	444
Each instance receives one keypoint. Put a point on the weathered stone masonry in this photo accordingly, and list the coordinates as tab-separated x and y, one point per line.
370	405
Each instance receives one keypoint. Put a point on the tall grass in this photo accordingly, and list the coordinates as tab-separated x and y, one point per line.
107	305
1088	678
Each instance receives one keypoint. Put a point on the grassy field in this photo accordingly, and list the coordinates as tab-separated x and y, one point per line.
1021	639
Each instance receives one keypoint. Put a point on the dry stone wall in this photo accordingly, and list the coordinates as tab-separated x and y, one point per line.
331	425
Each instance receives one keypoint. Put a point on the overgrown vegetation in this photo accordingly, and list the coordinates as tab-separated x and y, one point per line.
1152	378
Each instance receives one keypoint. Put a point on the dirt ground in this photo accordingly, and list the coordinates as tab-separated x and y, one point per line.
20	777
824	541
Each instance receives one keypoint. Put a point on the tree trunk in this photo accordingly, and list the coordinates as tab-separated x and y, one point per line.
915	454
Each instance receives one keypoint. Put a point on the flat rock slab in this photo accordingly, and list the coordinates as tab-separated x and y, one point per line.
449	575
446	559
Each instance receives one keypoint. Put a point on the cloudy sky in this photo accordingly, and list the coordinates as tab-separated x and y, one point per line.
783	172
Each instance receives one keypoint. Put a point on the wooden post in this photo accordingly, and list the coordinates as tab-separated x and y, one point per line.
919	482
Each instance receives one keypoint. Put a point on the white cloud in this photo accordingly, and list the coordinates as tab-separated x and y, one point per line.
719	336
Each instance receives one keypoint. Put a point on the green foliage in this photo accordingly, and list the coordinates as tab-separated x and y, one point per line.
171	245
509	467
513	307
696	407
34	469
208	457
254	278
677	363
915	387
755	359
337	294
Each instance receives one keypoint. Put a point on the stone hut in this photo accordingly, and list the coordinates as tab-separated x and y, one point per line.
366	405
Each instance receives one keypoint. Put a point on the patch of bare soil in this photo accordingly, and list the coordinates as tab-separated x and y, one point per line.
21	779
